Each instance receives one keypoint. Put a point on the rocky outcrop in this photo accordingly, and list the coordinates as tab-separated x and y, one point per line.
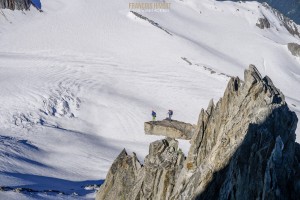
121	178
263	23
294	49
170	128
154	180
15	4
243	147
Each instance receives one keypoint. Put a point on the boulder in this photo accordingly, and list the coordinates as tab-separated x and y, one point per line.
170	128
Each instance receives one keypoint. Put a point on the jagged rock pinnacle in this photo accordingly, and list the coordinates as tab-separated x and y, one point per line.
243	147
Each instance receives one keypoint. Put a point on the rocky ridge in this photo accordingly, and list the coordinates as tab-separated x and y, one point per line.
289	8
243	147
289	24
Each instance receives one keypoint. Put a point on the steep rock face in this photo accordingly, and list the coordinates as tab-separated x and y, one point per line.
236	146
15	4
294	49
243	147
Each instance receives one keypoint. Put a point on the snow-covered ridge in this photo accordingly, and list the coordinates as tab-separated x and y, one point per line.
287	23
78	80
290	8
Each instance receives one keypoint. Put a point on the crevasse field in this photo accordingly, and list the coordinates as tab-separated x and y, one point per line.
78	81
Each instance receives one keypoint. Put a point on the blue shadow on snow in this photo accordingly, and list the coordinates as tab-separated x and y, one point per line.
41	183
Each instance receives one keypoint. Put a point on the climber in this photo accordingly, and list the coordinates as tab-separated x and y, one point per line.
170	113
153	115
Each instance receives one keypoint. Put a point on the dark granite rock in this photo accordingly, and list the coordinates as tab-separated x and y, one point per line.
15	4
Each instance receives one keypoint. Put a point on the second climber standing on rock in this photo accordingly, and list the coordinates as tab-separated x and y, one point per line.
170	113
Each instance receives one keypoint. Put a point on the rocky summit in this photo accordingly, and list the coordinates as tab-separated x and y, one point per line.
243	147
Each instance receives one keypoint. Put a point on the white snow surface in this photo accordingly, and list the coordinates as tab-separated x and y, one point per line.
78	81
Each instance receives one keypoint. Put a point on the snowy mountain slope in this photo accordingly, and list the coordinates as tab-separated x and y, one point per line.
78	80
